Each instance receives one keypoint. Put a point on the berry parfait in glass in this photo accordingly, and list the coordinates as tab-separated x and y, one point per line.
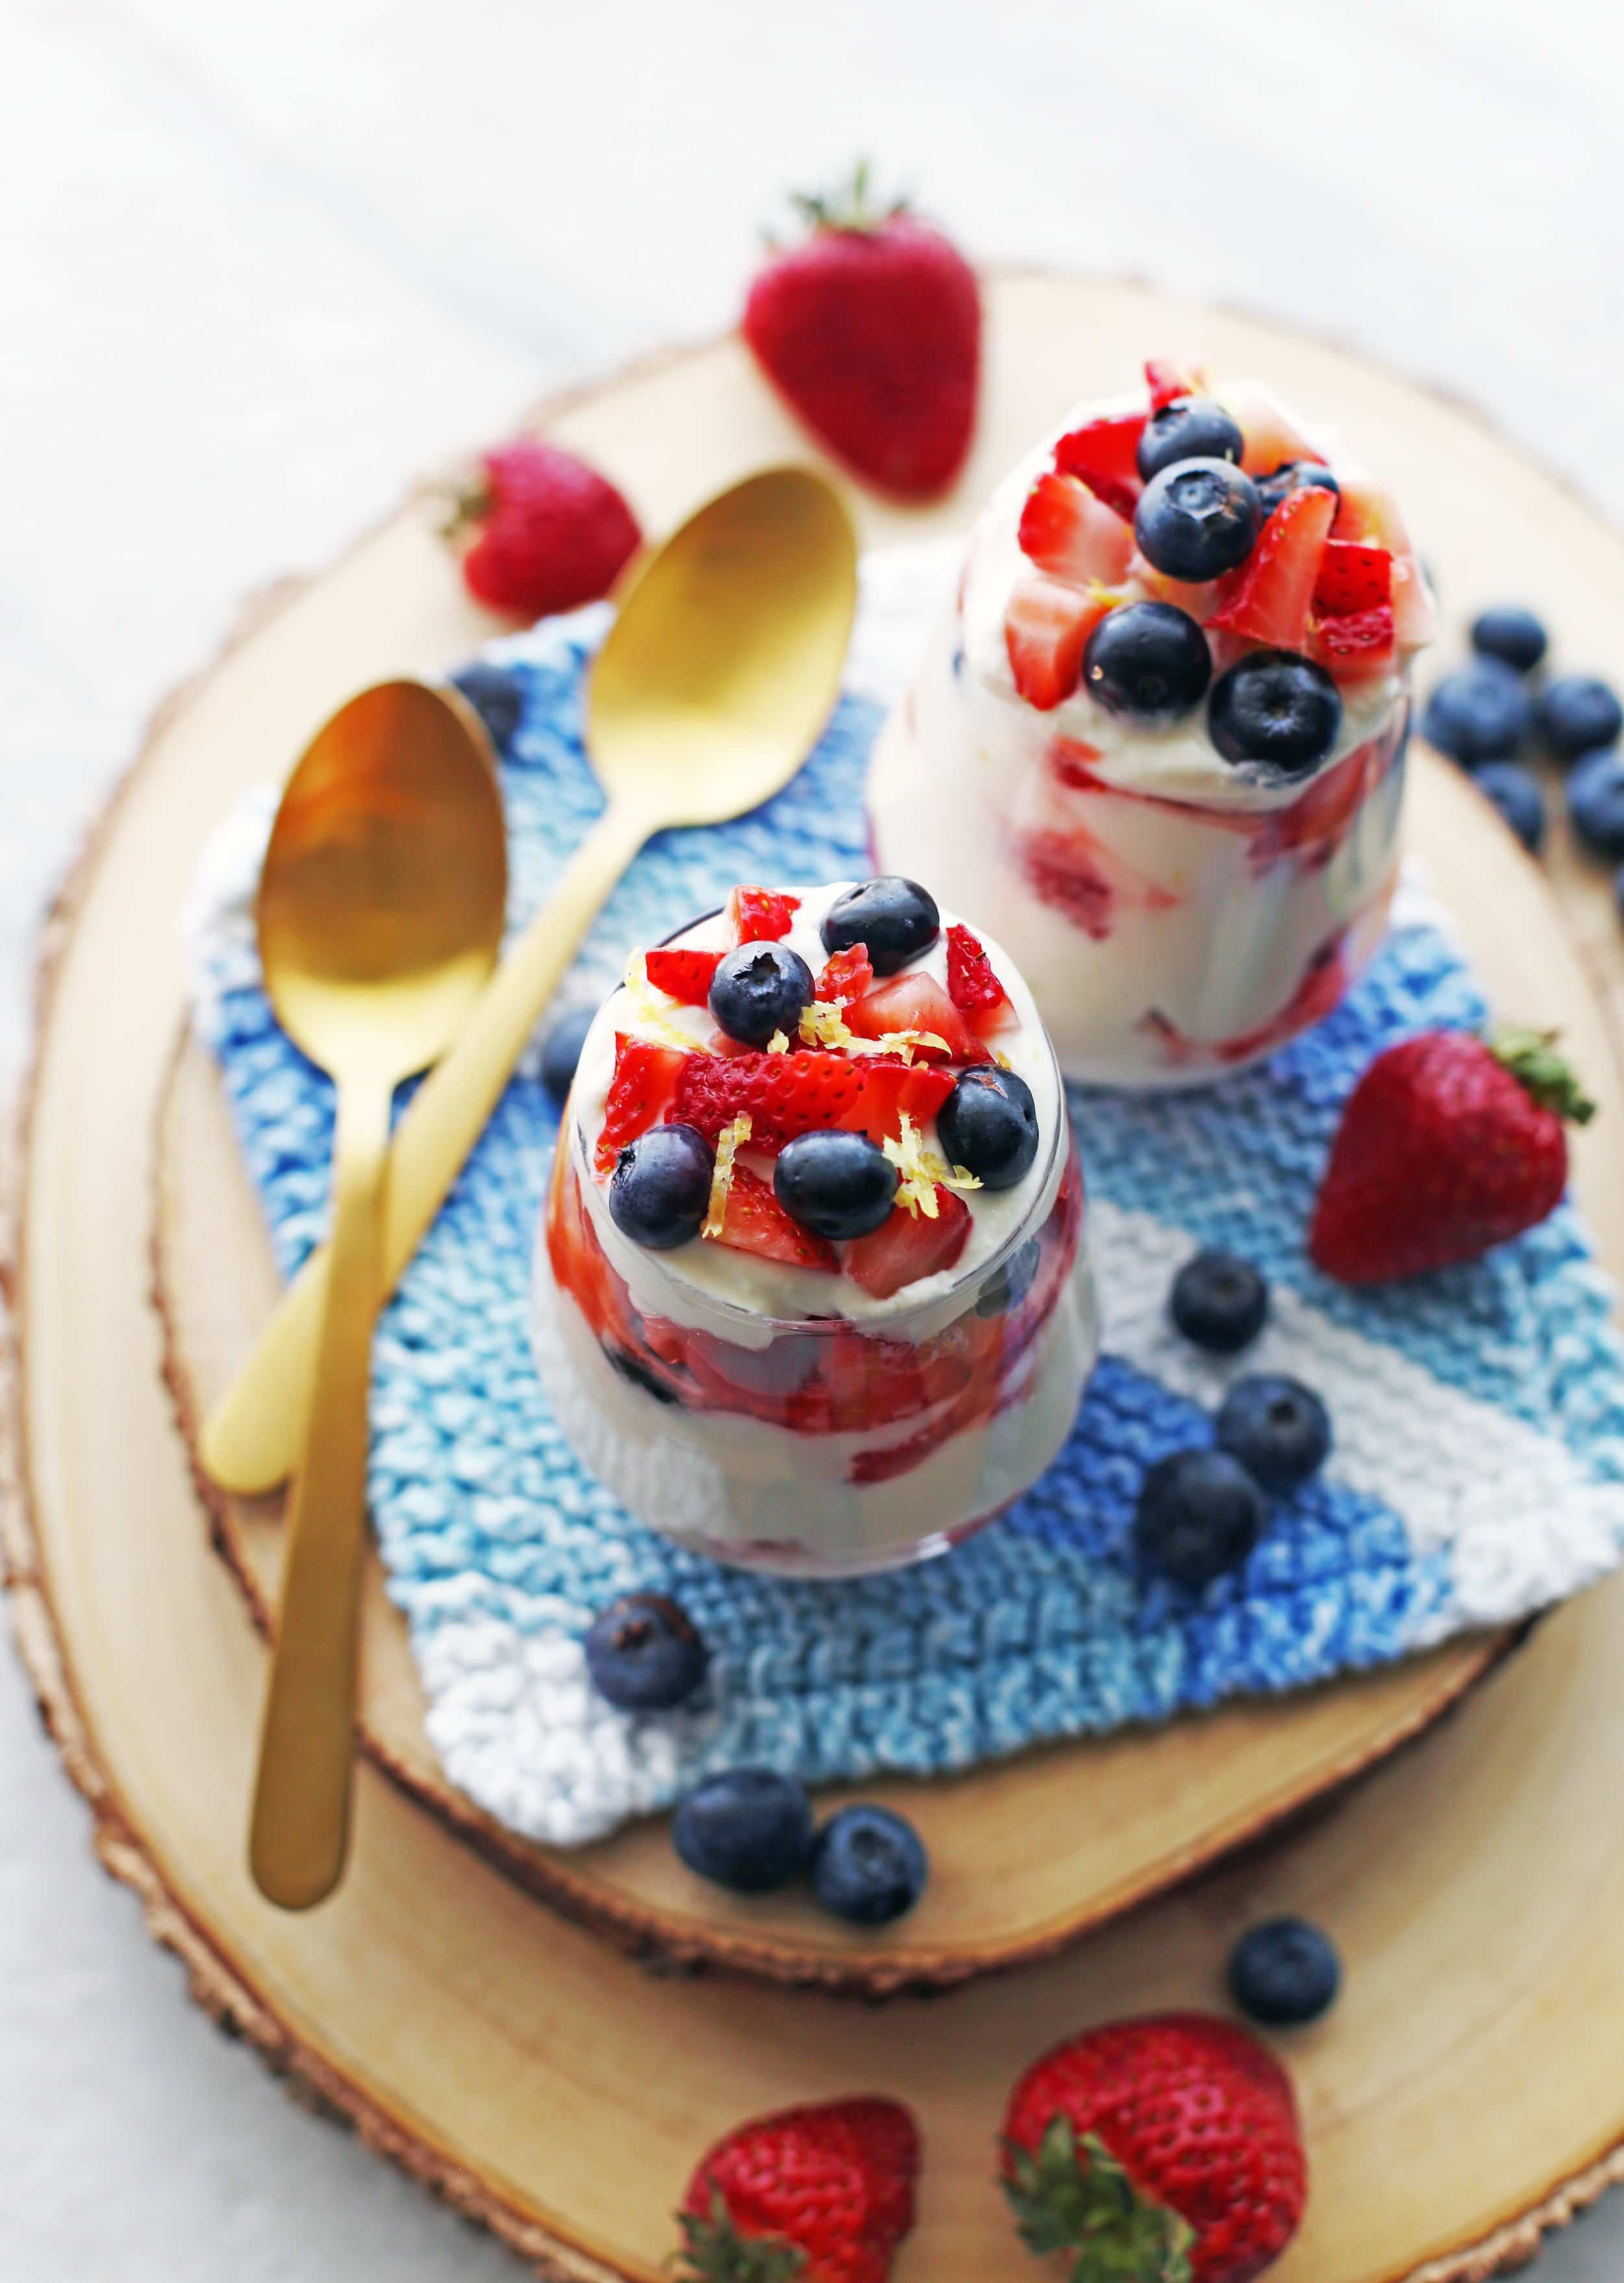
1157	740
813	1295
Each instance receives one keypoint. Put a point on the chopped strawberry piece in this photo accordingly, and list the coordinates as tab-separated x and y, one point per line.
916	1003
1352	577
1354	648
1071	535
757	916
1046	628
1166	381
684	975
1269	440
1267	599
891	1087
1104	454
1371	514
909	1246
754	1221
644	1081
784	1094
972	985
846	977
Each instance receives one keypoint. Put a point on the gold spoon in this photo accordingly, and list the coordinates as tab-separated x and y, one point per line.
709	692
380	916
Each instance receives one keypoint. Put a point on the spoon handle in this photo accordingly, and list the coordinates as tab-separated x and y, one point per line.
299	1831
252	1436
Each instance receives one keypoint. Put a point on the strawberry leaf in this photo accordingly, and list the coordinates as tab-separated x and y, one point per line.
1072	2195
1532	1058
714	2251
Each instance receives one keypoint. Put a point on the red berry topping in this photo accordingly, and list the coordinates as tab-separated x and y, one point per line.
1105	453
1046	628
1071	535
1352	577
757	916
891	1087
754	1221
913	1001
870	328
785	1094
910	1245
1161	2149
645	1077
549	533
846	977
684	975
1166	380
810	2195
1353	649
1447	1145
972	985
1267	598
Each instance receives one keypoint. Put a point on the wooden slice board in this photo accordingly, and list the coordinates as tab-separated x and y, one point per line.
1464	2095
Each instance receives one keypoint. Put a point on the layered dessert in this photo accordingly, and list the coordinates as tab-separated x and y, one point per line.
813	1295
1157	740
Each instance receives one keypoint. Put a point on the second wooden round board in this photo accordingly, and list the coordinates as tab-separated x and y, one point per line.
509	2056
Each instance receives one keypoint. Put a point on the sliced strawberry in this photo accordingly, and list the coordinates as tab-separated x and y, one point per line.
1267	599
684	975
972	985
1046	628
891	1087
1354	648
1371	514
1352	577
846	977
1197	599
785	1094
644	1082
916	1003
1166	380
1071	535
757	916
754	1221
909	1246
1269	440
1103	453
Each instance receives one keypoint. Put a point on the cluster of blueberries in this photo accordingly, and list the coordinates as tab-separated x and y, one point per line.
1487	714
1199	515
837	1183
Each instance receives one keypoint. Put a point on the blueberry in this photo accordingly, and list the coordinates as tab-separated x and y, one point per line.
1576	714
1197	519
661	1187
1284	1973
561	1050
896	918
1189	428
1511	634
644	1654
1294	476
834	1183
1277	711
1147	660
869	1865
1009	1285
1596	803
1219	1301
988	1126
749	1829
1517	797
497	697
637	1374
1199	1513
1480	713
1277	1427
759	988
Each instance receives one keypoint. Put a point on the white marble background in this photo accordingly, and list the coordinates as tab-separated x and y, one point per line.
258	265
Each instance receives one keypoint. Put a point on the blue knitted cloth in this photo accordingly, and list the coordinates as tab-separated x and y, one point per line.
1478	1471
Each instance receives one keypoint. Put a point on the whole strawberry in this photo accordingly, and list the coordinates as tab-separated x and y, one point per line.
871	328
547	531
819	2194
1163	2150
1450	1143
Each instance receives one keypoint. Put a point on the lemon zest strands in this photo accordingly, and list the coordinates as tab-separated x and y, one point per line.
728	1143
823	1025
647	1007
922	1172
777	1044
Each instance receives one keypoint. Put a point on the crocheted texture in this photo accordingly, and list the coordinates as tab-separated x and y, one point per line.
1478	1471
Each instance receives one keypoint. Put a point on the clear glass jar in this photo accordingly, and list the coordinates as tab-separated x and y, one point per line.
828	1444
